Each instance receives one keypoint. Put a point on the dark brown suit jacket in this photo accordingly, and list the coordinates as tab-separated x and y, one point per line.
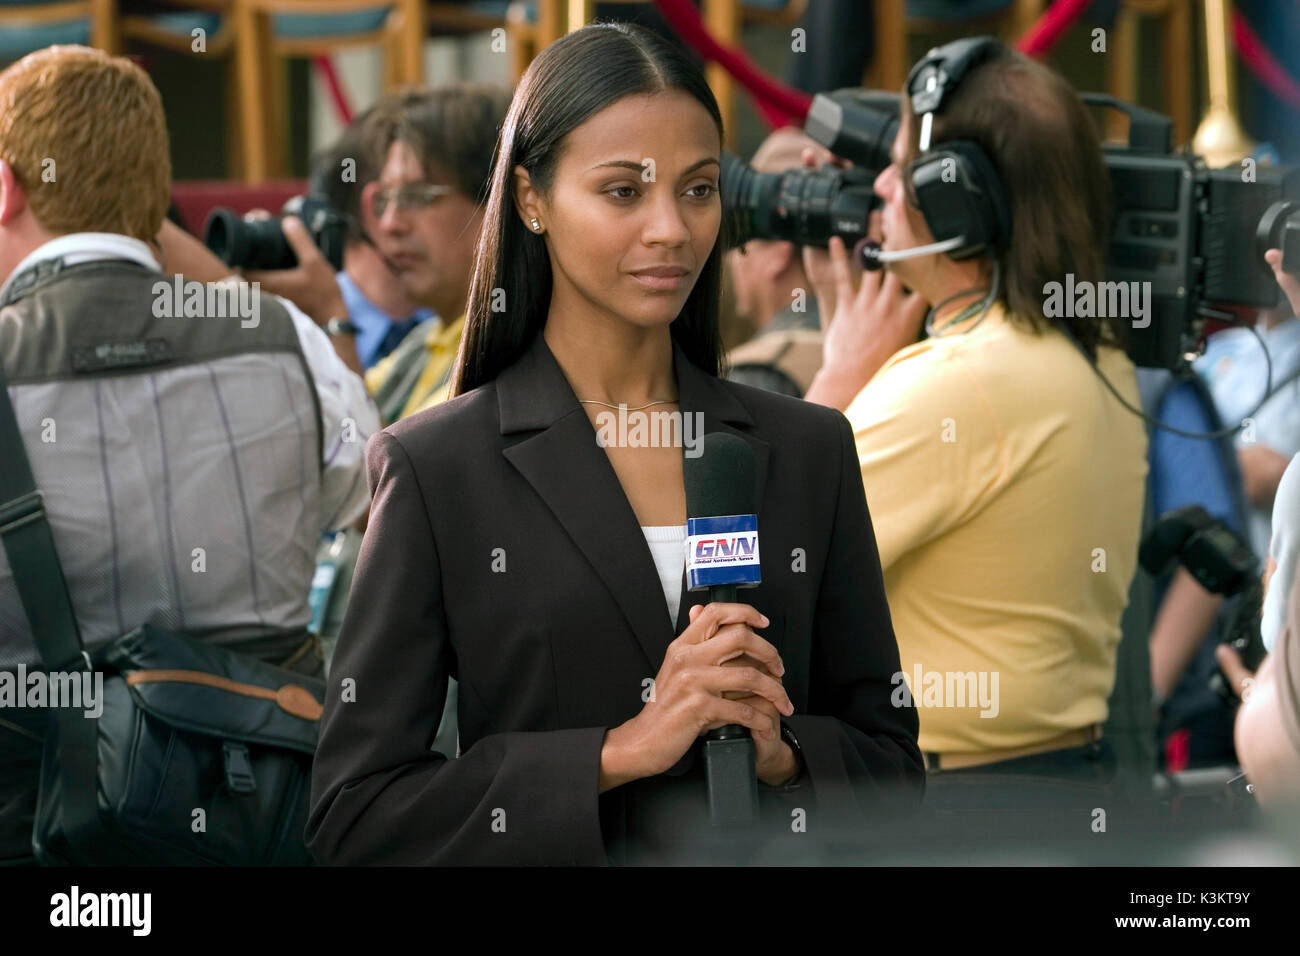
502	551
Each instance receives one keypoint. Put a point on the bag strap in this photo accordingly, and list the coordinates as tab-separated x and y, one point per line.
38	577
25	534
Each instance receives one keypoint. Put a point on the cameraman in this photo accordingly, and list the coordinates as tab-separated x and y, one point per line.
185	471
1007	480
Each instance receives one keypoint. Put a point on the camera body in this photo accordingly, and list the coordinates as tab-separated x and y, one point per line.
1222	563
261	243
1186	229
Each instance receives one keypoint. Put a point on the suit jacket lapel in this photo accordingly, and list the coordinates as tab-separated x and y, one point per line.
571	473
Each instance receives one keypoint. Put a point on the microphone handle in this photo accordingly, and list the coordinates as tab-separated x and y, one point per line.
725	594
729	766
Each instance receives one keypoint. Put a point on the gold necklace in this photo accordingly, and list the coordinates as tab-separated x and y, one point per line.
592	401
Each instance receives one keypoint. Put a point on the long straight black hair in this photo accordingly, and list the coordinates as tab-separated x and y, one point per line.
570	81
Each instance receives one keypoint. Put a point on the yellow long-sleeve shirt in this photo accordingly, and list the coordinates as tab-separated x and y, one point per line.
1006	487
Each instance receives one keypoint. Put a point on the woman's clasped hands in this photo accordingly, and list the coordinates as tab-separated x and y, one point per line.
717	672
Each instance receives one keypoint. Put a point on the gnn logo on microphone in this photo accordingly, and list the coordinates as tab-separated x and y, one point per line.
722	550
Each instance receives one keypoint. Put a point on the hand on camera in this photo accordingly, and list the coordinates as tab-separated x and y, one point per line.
1289	284
701	671
310	285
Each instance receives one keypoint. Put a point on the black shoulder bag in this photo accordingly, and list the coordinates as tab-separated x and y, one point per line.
199	756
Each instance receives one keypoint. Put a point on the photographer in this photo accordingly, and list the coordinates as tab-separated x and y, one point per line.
1006	481
422	159
184	469
367	291
437	147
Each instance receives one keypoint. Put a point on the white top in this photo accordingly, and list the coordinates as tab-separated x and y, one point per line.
668	548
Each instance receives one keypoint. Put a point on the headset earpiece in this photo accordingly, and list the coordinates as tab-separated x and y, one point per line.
954	184
959	193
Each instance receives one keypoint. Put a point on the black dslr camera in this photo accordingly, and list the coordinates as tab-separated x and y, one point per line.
1222	563
261	244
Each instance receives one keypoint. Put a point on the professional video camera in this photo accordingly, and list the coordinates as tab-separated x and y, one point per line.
808	206
1187	230
1222	563
261	243
1182	227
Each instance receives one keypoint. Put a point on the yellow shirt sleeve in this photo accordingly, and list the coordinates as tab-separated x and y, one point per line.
929	445
377	374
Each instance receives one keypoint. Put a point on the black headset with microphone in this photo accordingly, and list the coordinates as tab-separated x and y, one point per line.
954	184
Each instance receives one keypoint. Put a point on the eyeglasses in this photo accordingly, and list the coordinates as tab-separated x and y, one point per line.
409	197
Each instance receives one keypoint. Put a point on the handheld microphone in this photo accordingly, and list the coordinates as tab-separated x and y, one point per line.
721	556
873	258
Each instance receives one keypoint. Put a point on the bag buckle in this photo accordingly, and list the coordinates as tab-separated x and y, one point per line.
239	768
21	511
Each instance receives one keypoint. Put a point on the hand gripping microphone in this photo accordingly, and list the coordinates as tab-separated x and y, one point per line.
721	556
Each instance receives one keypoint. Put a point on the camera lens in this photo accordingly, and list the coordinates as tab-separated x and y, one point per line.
803	206
244	244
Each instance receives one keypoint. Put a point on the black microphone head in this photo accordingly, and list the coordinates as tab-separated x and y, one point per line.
722	479
869	255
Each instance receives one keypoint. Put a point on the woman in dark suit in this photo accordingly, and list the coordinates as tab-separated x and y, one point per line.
516	548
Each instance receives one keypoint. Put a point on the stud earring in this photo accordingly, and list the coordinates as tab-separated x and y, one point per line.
537	226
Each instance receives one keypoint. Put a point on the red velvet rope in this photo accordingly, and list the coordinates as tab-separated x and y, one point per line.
782	105
334	87
1262	63
1056	19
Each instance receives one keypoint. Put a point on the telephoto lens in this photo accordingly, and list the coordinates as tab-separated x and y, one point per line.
248	244
803	206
